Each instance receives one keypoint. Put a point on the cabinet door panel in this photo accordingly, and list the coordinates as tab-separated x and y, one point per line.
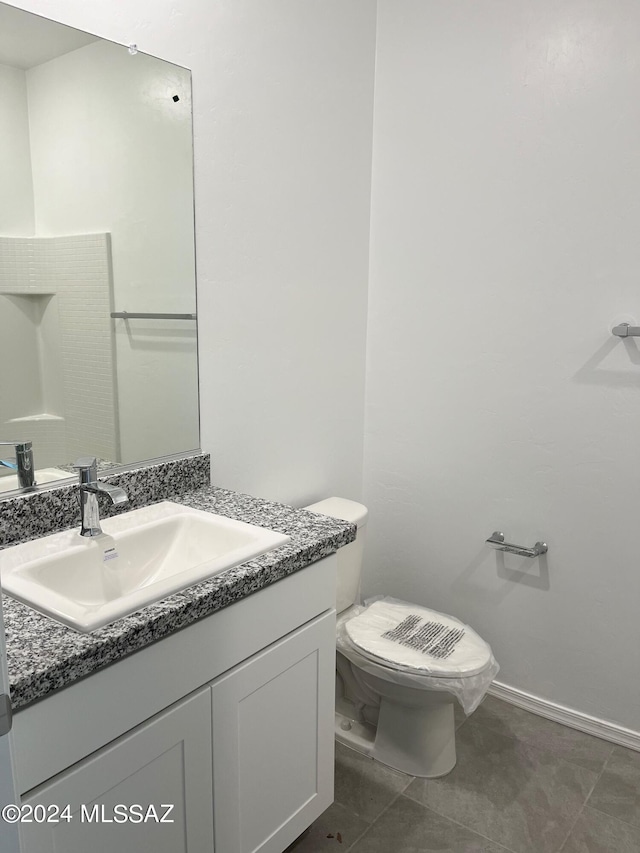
167	760
273	744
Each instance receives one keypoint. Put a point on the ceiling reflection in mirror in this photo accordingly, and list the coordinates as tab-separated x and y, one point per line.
98	349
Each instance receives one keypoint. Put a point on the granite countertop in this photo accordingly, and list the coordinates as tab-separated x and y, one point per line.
43	655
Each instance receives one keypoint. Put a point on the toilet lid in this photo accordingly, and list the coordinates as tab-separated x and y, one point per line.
417	639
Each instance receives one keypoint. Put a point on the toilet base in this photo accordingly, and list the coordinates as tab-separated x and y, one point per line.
355	734
416	741
420	741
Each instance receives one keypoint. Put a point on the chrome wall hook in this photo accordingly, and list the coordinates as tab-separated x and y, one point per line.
496	540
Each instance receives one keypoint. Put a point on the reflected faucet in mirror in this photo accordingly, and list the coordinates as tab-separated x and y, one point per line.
23	466
90	488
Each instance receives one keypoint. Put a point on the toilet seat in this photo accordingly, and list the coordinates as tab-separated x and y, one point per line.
401	636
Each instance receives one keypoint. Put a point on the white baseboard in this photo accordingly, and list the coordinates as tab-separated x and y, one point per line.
567	716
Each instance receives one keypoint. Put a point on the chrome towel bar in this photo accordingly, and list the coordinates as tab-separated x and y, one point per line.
496	540
131	315
624	330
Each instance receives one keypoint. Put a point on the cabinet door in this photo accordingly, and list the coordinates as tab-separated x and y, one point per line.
273	741
165	761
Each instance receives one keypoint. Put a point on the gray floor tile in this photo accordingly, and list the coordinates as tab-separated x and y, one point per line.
618	790
365	786
408	827
570	744
595	832
336	829
520	796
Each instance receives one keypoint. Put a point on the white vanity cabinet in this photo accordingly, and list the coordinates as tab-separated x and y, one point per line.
230	720
165	762
273	742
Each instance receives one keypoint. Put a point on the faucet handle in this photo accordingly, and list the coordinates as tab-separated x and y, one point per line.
20	446
87	467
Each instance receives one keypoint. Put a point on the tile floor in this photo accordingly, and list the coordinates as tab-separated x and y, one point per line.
522	784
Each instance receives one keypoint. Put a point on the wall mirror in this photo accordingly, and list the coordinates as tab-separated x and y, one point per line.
98	337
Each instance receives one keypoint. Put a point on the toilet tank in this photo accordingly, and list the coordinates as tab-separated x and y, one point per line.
349	557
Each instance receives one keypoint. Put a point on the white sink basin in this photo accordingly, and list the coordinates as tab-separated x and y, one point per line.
42	475
143	556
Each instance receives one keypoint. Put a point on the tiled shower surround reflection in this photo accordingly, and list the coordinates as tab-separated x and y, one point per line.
69	277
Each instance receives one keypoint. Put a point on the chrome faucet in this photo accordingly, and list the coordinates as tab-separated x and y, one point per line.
90	488
23	466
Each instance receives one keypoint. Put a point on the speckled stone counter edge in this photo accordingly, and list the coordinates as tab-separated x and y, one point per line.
33	514
44	656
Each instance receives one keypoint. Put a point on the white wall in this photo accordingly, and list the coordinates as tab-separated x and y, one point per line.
282	258
16	186
283	96
104	129
505	211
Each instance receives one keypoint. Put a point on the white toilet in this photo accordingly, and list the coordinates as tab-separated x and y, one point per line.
400	668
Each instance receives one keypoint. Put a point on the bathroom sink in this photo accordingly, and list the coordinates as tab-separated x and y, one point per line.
42	476
142	556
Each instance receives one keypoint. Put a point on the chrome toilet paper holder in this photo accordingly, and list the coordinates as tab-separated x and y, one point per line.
496	540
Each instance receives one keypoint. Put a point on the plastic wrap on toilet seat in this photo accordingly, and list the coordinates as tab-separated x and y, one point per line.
468	689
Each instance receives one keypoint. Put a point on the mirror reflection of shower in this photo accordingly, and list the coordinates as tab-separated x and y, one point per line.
96	217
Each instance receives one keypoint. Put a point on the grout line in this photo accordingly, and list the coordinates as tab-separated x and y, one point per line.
462	825
389	804
613	817
593	787
463	723
402	793
377	818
